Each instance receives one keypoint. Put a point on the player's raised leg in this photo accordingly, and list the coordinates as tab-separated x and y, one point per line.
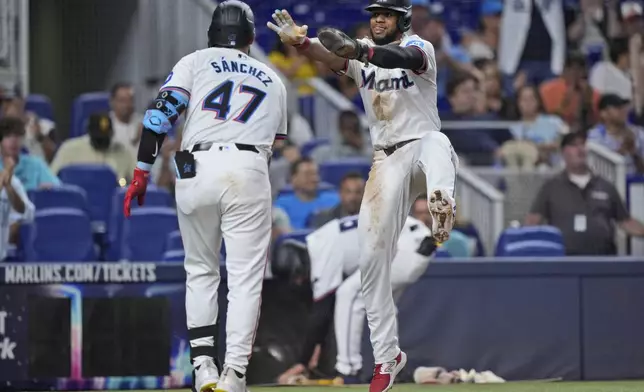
349	322
246	226
383	212
439	162
201	237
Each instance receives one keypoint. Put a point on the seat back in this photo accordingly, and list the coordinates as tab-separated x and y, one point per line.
333	171
60	234
64	196
542	234
144	233
41	105
85	105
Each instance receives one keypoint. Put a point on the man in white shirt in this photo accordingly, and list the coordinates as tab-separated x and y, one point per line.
126	122
14	205
613	77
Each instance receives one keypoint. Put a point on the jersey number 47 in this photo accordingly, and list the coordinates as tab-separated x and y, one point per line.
218	101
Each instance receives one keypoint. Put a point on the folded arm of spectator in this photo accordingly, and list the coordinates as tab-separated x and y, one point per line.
637	72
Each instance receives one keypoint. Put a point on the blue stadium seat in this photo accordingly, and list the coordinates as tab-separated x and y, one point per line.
311	145
442	254
539	239
174	255
145	232
534	248
66	195
85	105
99	182
41	105
60	234
174	241
322	187
333	171
154	197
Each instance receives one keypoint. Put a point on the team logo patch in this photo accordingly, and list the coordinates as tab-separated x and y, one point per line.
416	42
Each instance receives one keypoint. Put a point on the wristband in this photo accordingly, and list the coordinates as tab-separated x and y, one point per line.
304	45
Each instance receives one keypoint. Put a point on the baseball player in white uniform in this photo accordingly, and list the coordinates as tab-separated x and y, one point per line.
334	252
235	109
396	75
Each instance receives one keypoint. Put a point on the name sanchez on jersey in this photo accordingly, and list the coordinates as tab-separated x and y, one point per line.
233	66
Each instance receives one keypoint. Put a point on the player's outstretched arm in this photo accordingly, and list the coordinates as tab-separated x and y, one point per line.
294	35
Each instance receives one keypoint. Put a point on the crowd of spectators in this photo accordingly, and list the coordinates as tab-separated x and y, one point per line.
553	71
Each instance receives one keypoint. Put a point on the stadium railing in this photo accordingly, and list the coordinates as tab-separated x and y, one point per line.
481	204
14	44
611	166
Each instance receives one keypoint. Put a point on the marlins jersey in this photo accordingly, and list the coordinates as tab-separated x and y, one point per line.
233	98
400	104
334	250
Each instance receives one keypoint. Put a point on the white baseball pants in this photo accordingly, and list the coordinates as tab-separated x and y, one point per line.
230	196
394	183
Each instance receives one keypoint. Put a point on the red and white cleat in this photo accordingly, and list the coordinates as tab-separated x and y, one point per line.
384	374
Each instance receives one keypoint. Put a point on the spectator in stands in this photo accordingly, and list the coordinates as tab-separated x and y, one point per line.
126	122
15	206
98	146
536	136
299	130
483	43
634	27
458	245
632	18
615	132
294	66
449	59
40	133
351	192
532	39
281	223
306	197
32	171
570	96
478	146
583	206
351	143
612	77
419	14
285	154
494	98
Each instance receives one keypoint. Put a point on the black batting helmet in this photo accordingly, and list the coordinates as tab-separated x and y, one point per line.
403	7
232	26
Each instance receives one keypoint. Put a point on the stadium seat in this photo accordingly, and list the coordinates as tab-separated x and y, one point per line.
60	234
174	255
534	248
547	237
83	106
41	105
154	197
442	254
99	182
144	233
66	195
333	171
174	241
322	187
311	145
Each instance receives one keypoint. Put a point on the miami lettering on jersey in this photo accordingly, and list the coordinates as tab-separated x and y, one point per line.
369	81
232	66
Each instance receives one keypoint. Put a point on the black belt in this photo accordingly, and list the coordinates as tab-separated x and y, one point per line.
240	147
392	149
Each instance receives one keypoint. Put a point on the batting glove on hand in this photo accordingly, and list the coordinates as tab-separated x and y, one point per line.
136	190
342	45
285	27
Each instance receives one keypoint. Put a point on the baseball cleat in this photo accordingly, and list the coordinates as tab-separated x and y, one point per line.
384	374
231	381
441	207
206	377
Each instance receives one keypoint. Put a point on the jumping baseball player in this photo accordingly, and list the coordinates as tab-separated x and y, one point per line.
334	252
235	109
396	75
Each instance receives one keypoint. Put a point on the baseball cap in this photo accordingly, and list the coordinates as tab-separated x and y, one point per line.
99	124
630	10
571	138
612	101
436	11
422	3
491	7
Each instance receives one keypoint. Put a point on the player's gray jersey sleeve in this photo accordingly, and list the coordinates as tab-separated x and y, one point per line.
427	49
182	76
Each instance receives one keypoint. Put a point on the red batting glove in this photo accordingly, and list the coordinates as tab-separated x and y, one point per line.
136	190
